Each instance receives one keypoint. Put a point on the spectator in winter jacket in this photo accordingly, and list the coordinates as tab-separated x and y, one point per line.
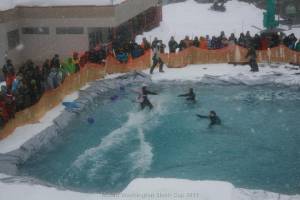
55	62
297	48
8	68
215	43
9	73
208	41
188	42
256	42
203	43
10	103
196	42
248	39
242	40
232	39
182	45
3	111
290	41
145	44
173	45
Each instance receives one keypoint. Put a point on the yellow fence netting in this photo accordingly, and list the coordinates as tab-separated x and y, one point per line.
91	72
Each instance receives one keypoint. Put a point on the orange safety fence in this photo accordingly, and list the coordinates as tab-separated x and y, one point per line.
52	98
140	63
192	55
178	60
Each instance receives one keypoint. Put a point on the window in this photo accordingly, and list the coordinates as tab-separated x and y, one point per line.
13	38
69	30
35	30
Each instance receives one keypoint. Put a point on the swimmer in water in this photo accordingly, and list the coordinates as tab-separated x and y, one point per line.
190	96
213	117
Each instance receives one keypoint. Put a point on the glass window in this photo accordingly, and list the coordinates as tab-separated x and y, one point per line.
35	30
13	38
69	30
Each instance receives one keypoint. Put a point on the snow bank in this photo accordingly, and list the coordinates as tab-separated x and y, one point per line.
139	189
194	19
221	73
9	4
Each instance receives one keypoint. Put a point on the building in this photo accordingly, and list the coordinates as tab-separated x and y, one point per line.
39	32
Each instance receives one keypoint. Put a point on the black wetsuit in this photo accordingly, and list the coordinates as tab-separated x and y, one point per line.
214	120
190	96
146	101
252	61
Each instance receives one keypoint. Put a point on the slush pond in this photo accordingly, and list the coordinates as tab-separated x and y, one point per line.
256	147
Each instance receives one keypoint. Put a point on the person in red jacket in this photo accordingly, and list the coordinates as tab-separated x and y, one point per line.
3	111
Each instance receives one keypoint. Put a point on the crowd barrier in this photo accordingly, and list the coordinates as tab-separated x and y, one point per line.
52	98
114	66
91	72
230	54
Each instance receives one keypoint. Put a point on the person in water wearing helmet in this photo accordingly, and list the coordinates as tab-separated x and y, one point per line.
190	96
213	117
144	101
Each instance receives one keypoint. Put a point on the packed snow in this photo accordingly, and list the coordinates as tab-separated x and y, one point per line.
181	19
9	4
147	189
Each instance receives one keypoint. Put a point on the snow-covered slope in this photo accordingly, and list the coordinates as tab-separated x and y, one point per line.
194	19
9	4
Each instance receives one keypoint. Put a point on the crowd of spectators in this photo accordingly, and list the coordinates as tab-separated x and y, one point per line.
25	86
124	50
258	41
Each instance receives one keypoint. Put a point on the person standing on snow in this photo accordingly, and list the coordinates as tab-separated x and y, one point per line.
156	59
252	59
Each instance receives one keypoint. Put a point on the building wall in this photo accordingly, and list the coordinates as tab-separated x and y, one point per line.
39	46
135	7
14	54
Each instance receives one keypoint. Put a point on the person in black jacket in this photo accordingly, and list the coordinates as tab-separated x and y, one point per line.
213	117
190	96
173	45
144	98
252	59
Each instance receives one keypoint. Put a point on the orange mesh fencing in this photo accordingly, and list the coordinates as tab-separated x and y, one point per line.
140	63
52	98
178	60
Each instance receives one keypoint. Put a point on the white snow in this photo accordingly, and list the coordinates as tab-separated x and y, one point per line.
280	73
193	19
146	189
9	4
